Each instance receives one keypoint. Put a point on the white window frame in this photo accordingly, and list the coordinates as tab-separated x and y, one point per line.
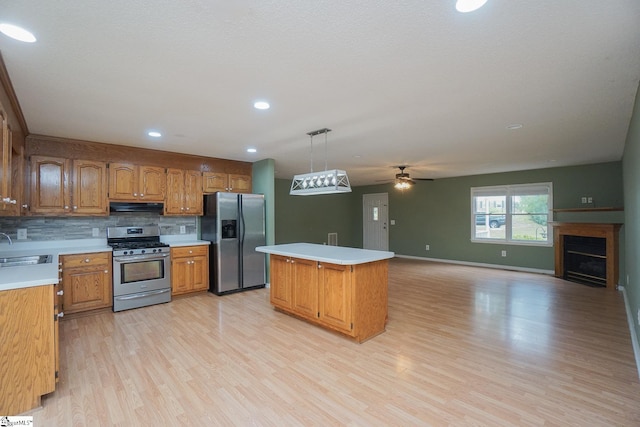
508	191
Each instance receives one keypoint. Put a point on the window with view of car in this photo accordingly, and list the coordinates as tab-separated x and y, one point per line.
512	214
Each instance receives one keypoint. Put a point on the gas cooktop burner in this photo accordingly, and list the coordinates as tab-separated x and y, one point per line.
135	240
137	245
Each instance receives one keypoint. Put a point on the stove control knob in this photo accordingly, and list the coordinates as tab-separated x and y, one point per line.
160	250
143	251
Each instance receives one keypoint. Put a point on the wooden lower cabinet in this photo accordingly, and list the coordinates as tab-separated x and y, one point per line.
28	352
189	269
351	299
86	282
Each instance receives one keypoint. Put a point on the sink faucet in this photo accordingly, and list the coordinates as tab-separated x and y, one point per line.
7	236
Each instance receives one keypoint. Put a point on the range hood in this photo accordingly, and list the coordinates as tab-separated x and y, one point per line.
157	208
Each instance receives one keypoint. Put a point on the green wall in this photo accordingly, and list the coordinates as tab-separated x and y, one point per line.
310	218
437	213
631	173
263	173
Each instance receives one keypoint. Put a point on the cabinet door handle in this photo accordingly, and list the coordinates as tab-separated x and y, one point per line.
61	292
190	251
106	272
141	194
87	260
61	314
66	207
135	194
75	208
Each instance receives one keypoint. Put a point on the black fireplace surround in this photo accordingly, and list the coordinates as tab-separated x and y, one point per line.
585	260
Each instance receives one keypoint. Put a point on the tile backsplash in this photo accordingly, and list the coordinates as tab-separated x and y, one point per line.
67	228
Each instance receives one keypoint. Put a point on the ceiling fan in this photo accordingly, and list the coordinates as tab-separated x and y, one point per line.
403	179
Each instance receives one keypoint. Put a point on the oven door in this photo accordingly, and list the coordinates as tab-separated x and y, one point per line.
141	273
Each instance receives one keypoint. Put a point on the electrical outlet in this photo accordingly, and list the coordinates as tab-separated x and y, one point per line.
426	247
504	253
22	233
95	232
183	229
584	200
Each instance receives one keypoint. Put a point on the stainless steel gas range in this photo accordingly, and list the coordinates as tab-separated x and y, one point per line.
141	267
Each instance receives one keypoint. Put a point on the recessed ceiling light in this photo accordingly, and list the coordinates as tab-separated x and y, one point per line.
251	150
261	105
514	126
154	134
469	5
17	33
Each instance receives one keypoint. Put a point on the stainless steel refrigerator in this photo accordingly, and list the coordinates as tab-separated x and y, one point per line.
234	224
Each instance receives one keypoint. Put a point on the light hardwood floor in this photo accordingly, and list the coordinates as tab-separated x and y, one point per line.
463	346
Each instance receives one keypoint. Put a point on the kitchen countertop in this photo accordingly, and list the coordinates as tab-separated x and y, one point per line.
324	253
42	274
177	240
47	274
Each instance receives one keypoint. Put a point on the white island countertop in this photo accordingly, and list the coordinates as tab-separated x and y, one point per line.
333	254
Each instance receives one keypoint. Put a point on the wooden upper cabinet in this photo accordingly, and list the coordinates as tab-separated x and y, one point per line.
69	187
217	181
49	189
184	192
152	183
214	181
240	183
89	184
193	192
136	183
8	202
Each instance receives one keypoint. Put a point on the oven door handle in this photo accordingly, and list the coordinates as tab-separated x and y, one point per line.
142	295
140	258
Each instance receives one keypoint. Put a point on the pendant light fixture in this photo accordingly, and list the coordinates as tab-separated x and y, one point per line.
325	182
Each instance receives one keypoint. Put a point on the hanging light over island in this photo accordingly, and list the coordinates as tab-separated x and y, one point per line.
332	181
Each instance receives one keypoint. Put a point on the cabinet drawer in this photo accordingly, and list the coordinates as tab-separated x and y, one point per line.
188	251
86	260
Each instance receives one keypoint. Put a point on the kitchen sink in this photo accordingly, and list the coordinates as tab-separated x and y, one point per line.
18	261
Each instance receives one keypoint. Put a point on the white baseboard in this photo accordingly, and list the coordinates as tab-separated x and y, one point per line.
632	328
481	264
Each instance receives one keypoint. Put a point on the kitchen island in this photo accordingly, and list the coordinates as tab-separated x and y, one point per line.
339	288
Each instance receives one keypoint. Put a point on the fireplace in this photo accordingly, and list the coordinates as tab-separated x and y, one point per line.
587	253
585	260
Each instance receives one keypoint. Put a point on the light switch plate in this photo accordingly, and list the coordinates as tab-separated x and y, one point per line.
95	232
22	234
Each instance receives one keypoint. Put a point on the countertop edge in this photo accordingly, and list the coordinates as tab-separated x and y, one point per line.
350	256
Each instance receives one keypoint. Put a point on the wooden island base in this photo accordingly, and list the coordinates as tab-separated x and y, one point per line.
347	298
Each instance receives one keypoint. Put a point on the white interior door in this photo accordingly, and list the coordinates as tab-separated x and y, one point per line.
375	213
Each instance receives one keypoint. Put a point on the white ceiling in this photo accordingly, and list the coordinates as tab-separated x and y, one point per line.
410	82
